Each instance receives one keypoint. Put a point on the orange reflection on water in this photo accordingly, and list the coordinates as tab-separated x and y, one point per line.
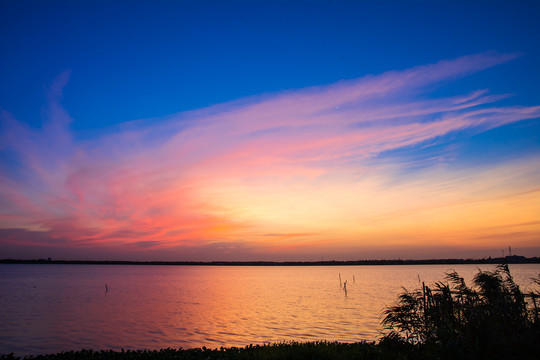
53	308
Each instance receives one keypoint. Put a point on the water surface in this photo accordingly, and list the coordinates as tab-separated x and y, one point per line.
52	308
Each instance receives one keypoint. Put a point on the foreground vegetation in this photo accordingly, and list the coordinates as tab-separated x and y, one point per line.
492	319
293	350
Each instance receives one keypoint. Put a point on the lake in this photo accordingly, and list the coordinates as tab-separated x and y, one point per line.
52	308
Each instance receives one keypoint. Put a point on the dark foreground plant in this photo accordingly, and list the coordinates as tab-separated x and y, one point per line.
320	350
492	319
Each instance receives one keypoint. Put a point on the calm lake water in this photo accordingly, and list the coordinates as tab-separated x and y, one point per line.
53	308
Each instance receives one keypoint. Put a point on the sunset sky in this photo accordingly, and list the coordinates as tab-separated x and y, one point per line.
269	130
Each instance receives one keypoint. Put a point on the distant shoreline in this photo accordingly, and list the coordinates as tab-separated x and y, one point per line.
515	259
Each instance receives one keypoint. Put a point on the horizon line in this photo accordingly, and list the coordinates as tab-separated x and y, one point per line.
510	259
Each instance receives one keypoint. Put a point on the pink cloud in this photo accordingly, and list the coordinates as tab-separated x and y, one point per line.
153	183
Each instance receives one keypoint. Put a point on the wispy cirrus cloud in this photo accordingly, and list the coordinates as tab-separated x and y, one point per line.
236	172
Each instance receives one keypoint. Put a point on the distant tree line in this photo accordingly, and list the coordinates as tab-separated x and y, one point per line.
514	259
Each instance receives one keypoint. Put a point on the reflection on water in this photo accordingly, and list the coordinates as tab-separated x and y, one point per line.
53	308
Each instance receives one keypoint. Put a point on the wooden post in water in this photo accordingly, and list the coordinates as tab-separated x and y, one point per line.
345	287
106	288
340	285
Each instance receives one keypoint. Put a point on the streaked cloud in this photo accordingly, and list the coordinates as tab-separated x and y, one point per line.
304	166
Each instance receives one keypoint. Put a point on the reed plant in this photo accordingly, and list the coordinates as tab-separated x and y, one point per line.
492	319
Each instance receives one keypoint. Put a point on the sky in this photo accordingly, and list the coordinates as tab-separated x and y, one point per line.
269	130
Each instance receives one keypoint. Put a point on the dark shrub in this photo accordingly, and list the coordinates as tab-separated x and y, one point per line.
492	319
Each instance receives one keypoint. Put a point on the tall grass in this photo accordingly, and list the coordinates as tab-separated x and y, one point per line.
491	319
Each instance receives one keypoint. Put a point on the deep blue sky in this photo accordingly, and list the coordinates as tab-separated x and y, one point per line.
135	59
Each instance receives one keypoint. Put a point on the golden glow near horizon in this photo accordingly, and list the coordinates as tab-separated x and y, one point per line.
467	208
